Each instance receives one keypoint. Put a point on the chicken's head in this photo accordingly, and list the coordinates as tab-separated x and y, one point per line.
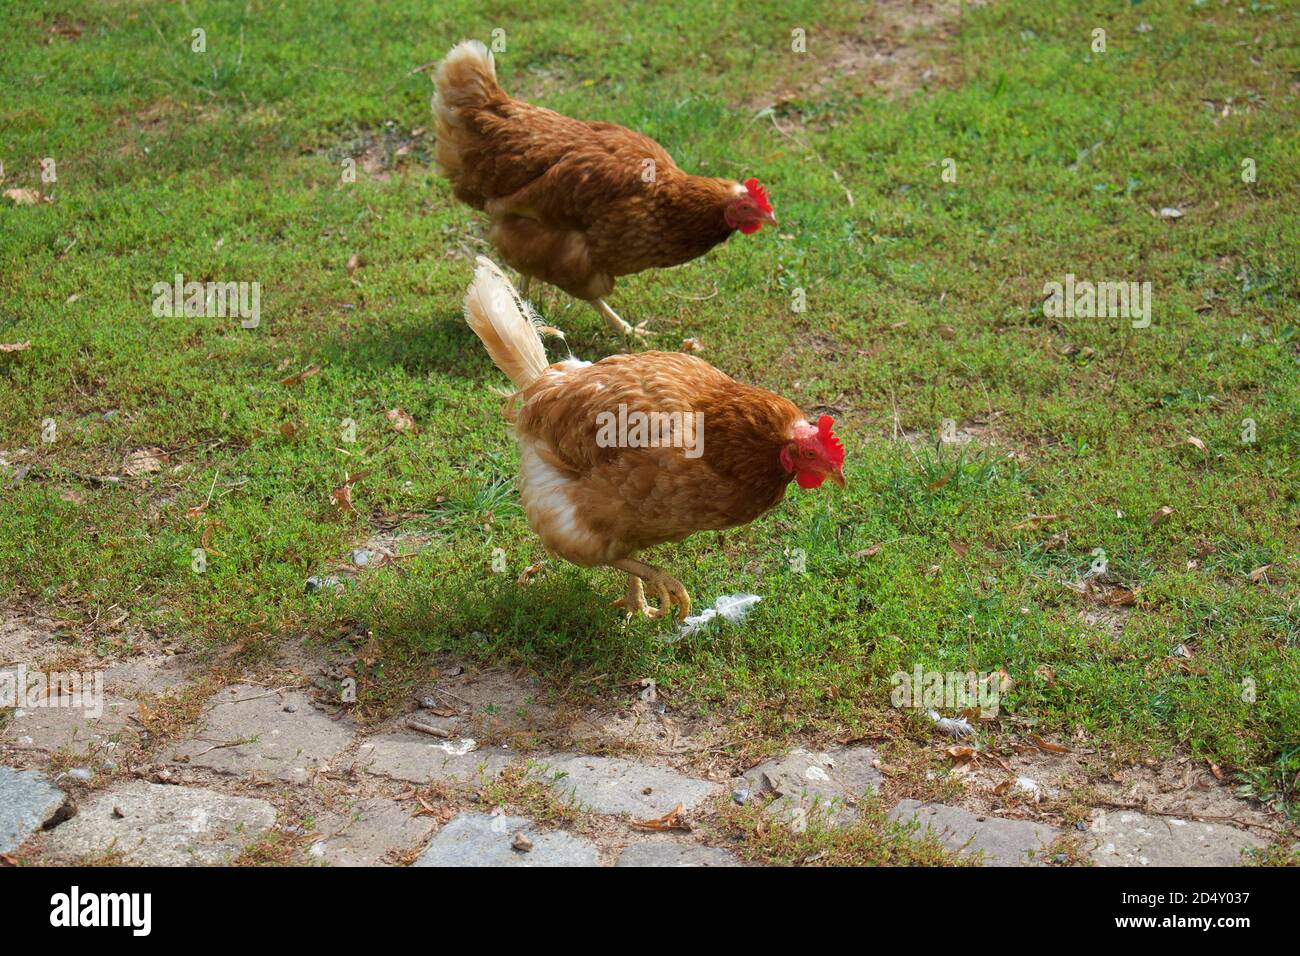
749	209
814	454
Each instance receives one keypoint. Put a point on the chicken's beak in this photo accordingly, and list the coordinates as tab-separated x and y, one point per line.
836	475
769	218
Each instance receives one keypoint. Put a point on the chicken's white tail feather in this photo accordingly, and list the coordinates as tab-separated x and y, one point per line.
509	328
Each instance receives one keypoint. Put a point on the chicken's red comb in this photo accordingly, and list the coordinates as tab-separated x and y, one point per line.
759	194
834	450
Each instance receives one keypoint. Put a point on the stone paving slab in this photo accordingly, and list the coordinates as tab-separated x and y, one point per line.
485	839
421	759
151	824
60	726
831	781
28	801
249	730
613	786
1003	842
674	853
367	831
1129	838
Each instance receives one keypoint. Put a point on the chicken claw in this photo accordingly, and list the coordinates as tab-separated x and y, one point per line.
633	599
669	591
615	322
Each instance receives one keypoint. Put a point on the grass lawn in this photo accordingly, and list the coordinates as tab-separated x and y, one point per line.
924	303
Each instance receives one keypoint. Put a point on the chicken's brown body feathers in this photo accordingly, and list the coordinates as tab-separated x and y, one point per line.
595	505
572	203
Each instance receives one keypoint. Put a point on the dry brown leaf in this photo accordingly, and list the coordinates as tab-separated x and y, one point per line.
26	197
870	552
1260	574
691	345
144	461
958	752
342	495
354	262
399	419
938	483
1162	513
1215	769
527	575
1033	521
71	496
1048	746
1047	673
961	549
288	429
1193	440
15	346
672	820
299	377
1120	596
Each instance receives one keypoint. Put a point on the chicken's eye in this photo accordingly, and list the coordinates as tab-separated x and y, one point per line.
809	453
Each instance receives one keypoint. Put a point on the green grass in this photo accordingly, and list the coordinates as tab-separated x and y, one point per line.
226	166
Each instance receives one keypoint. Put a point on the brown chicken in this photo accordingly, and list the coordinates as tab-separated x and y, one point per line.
571	203
637	450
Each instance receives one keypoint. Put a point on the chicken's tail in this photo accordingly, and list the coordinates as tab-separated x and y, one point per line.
507	325
466	81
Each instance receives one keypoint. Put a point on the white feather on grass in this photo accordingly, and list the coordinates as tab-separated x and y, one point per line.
730	607
952	726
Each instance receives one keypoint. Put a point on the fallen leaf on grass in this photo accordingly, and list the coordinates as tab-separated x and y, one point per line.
1195	442
144	461
1047	673
672	820
354	262
26	197
1260	574
1120	596
961	753
529	573
399	419
1215	769
938	483
1162	513
691	345
1033	521
15	346
1048	746
870	552
342	495
299	377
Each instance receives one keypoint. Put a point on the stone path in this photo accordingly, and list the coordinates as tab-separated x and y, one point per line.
276	768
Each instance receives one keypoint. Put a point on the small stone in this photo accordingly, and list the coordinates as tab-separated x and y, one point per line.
290	708
648	790
361	557
521	843
81	773
475	839
740	795
317	583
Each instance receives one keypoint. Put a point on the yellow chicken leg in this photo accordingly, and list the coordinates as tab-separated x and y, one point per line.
633	599
615	322
669	590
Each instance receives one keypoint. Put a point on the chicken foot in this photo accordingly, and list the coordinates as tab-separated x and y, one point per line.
669	591
615	322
